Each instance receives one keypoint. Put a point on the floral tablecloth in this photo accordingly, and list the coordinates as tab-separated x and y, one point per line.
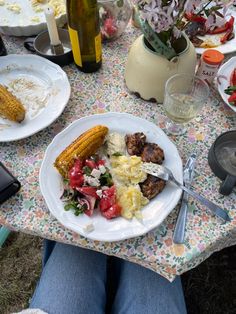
102	92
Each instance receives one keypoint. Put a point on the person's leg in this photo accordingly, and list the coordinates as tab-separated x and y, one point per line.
48	247
73	281
141	290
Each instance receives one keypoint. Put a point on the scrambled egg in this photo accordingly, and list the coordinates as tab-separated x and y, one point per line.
57	5
127	173
127	169
131	200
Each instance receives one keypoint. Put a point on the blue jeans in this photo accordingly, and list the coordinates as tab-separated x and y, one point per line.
74	281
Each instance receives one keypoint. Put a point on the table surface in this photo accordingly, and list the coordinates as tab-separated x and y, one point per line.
105	91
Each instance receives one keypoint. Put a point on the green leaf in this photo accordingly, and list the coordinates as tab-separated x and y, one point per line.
120	3
106	179
70	206
87	170
117	154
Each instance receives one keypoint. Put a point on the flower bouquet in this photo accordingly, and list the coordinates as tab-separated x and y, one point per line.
165	49
163	22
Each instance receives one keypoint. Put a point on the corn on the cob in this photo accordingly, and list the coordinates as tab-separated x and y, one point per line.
84	146
10	107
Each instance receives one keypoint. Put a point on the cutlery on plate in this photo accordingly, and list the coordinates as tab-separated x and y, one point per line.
166	174
178	236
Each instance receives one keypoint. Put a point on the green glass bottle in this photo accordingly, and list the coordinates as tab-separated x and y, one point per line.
85	35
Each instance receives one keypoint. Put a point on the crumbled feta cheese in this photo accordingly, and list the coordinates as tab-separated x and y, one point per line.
91	181
102	169
99	193
88	228
96	173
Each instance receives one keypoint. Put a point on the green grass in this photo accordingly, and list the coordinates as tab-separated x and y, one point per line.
209	288
20	266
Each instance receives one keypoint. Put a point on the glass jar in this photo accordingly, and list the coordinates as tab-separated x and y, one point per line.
114	17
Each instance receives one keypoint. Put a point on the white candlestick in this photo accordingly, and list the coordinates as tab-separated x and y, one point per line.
52	26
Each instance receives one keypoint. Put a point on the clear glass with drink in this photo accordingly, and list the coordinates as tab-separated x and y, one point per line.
185	95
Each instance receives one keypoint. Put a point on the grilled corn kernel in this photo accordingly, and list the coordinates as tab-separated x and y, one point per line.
84	146
10	107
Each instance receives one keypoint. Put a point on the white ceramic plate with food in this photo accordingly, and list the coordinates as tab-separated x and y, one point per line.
117	228
223	79
26	17
41	86
214	40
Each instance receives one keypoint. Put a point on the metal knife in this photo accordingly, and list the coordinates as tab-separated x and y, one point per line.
167	175
179	231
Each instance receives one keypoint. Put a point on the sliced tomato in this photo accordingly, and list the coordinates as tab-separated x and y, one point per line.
195	18
88	190
101	162
90	163
76	179
218	30
78	165
109	192
105	203
108	198
232	99
113	211
233	78
221	29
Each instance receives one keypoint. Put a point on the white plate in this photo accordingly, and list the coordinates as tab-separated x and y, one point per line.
229	46
27	22
43	88
119	228
225	70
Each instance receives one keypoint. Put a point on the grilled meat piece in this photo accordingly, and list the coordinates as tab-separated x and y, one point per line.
152	153
135	143
152	186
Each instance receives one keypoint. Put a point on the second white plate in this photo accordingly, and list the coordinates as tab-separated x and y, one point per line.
43	88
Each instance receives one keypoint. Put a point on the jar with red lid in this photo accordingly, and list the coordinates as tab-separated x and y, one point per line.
209	64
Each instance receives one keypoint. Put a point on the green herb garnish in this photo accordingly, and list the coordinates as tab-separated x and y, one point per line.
87	170
106	179
117	154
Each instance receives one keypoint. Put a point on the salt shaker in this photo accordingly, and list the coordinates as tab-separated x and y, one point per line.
210	62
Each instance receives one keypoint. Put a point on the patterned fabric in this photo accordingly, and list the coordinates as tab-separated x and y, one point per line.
106	91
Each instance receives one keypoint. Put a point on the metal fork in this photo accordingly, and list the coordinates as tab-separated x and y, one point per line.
167	175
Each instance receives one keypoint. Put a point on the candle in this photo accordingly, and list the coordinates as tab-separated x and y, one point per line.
52	26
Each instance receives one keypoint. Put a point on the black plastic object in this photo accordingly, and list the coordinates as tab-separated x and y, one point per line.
3	50
222	160
9	185
41	45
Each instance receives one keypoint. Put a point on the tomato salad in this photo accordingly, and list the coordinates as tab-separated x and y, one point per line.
90	187
231	89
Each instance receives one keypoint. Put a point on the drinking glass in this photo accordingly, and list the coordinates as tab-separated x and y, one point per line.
185	95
